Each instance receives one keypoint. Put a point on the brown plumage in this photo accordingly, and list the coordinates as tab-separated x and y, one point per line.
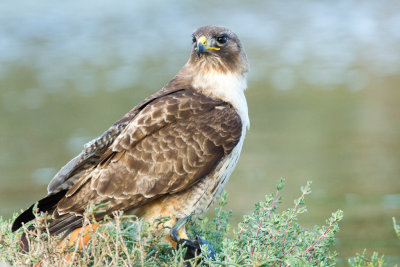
171	154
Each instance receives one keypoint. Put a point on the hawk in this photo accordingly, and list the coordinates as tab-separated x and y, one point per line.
171	155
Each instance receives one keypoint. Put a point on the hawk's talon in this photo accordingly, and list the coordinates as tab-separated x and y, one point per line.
174	231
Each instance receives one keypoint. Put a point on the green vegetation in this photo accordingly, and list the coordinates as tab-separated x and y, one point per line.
266	237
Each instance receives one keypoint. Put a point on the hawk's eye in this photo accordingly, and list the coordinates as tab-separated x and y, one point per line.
221	40
193	39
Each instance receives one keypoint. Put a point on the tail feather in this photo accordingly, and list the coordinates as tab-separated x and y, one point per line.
24	243
64	223
46	204
67	222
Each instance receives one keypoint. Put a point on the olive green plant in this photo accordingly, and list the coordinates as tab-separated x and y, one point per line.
267	236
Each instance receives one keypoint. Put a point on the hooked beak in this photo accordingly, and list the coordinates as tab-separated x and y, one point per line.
202	46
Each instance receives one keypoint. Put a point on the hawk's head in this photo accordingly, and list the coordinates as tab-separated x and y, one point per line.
218	48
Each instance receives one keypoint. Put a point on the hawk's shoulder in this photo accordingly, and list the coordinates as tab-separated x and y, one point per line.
92	151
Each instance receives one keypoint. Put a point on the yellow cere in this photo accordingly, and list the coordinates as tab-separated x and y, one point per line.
203	40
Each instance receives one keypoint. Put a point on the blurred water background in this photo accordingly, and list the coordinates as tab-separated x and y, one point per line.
324	97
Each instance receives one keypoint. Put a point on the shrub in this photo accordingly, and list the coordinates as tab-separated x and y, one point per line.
265	237
270	238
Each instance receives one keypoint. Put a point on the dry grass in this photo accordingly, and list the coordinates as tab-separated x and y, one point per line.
124	241
265	237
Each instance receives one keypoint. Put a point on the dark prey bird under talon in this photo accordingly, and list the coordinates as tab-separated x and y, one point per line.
211	252
193	247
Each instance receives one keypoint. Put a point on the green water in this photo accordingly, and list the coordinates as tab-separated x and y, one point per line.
324	98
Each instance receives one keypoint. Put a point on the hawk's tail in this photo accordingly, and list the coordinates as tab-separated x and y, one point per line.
46	204
65	223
